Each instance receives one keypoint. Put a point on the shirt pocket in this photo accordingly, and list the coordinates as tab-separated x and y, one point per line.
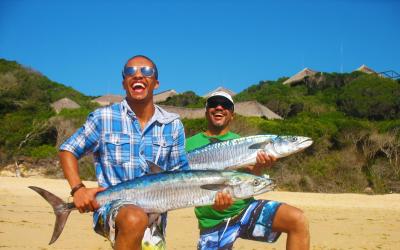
162	149
117	148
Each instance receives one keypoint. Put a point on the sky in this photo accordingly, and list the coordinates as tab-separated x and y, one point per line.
197	45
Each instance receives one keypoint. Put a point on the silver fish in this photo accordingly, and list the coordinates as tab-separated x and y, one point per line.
237	153
158	193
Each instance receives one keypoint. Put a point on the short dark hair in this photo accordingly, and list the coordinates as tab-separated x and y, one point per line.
145	57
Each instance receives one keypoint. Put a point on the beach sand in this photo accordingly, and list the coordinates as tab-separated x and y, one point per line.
337	221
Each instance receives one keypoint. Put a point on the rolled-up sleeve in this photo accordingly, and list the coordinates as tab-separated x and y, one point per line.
85	139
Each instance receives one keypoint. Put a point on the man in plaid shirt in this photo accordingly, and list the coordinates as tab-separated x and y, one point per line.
122	137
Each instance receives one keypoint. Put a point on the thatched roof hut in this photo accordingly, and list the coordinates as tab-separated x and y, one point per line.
254	108
160	97
300	76
249	108
108	99
364	68
64	103
220	89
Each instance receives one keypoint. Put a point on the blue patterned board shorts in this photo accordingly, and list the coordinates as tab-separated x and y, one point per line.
254	223
153	237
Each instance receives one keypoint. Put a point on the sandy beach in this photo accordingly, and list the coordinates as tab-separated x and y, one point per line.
337	221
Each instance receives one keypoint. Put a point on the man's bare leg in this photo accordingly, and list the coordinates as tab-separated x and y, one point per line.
131	222
292	221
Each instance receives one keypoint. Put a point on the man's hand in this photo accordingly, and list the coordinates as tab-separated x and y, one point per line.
85	199
263	161
223	200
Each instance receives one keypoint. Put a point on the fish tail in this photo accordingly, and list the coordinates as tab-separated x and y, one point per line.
61	210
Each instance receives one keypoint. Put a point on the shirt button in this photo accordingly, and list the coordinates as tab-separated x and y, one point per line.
142	152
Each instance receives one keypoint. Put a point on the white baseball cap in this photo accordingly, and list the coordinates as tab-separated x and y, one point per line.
222	94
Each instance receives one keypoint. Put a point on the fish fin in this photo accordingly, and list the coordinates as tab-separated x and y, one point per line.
61	210
259	145
214	140
154	168
213	187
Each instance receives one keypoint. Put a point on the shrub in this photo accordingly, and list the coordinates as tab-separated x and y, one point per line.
194	126
187	99
43	151
371	97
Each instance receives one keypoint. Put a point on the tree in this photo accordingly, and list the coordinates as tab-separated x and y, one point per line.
371	97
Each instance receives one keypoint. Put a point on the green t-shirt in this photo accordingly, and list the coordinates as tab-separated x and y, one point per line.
206	215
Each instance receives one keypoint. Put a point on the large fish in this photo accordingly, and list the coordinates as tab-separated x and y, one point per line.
237	153
161	192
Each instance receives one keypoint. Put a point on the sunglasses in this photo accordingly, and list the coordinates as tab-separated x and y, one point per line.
223	102
146	71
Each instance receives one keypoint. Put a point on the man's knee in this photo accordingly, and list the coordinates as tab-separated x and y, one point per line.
300	221
290	219
131	219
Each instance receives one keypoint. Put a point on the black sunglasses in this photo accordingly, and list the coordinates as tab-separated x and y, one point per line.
223	102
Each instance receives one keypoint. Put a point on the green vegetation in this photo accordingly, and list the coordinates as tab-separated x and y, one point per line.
187	99
354	120
26	127
371	97
43	151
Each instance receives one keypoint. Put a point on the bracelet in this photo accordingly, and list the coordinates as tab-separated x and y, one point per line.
76	188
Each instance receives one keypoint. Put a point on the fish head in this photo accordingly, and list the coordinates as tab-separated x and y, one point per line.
283	146
243	185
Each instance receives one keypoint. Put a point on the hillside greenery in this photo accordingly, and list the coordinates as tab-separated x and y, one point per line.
353	118
26	116
187	99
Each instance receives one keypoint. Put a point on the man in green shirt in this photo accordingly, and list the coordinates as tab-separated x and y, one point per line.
222	223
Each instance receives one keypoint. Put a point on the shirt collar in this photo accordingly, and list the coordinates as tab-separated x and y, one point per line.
160	115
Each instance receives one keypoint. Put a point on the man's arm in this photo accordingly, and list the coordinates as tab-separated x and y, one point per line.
84	198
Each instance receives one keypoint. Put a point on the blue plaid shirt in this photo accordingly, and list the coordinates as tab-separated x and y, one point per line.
121	147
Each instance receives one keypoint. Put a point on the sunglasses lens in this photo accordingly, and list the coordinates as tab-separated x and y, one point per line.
147	71
130	71
213	103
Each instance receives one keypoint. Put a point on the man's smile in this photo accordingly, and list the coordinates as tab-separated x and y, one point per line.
138	87
218	115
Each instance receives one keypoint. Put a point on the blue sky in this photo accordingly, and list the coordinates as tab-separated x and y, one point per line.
198	45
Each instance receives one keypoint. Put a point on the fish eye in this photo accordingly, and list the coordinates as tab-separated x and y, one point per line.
293	139
256	182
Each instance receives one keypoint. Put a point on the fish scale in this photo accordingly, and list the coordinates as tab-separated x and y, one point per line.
161	192
166	191
237	153
227	153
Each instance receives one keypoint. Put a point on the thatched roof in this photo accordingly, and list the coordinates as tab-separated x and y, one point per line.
189	113
364	68
300	76
250	108
220	89
160	97
254	108
108	99
64	103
